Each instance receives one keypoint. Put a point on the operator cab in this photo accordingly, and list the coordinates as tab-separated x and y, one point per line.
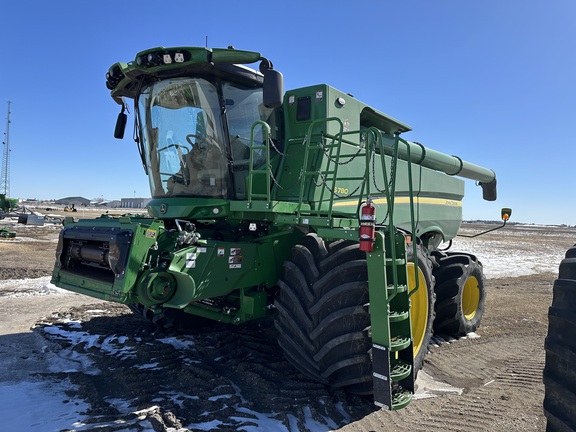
195	128
196	136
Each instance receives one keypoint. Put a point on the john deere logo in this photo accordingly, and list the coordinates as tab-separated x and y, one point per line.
163	208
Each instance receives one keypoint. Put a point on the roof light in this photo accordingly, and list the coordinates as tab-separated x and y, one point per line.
153	59
114	76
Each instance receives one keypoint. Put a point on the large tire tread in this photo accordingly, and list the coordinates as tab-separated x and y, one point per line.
452	270
323	319
560	369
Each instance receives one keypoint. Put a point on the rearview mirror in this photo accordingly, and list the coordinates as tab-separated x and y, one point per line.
120	125
273	88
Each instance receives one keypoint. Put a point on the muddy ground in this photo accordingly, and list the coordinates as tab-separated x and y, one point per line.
137	378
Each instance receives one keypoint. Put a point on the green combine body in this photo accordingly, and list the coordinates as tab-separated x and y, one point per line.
255	212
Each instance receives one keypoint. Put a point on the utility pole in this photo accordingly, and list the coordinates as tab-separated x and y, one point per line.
5	172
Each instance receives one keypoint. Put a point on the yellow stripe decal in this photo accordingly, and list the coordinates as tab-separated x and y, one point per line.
406	200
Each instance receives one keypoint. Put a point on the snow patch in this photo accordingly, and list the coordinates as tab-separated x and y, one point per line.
47	407
31	288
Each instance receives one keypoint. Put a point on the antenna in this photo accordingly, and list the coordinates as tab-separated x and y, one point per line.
5	179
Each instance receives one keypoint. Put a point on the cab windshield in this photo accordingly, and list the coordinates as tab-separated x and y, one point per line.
183	138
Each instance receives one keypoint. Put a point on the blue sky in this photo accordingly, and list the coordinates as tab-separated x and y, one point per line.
490	81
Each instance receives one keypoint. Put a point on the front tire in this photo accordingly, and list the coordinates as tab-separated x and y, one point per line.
323	320
421	304
460	293
560	345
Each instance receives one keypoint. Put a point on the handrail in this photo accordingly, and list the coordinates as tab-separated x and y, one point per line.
268	169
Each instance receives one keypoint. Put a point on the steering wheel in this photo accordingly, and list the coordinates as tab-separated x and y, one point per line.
179	177
198	138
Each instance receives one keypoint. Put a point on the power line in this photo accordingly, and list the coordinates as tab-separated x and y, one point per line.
5	179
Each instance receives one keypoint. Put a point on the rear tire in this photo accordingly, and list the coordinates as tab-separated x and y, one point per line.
560	345
460	293
323	319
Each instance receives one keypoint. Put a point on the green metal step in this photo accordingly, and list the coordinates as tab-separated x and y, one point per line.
401	398
400	370
399	343
401	288
397	316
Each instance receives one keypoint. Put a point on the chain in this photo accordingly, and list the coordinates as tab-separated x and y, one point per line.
274	147
325	151
390	181
278	184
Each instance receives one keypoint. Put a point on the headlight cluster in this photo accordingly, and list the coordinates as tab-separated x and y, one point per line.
114	76
158	58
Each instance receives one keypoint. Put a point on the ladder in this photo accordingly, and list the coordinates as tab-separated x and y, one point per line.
392	347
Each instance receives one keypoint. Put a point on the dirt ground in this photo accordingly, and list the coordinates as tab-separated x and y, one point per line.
206	377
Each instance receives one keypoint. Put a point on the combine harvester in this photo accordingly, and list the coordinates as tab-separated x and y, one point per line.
306	206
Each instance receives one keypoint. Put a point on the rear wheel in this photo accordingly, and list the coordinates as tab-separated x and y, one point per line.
323	317
460	293
560	368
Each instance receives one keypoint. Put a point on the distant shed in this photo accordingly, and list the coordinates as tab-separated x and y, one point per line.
77	201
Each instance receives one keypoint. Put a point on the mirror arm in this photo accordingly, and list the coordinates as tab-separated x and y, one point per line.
506	213
484	232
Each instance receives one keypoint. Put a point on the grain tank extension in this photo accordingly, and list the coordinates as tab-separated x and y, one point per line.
260	200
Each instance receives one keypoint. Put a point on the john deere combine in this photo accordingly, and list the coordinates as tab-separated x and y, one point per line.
306	205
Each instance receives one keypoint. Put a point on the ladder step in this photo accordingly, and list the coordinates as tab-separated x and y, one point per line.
401	288
395	262
400	370
351	178
399	343
396	316
401	398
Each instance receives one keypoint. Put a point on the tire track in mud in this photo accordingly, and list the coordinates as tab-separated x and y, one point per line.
524	372
486	369
494	374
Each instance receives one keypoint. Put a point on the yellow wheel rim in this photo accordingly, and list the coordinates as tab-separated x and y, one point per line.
418	307
470	297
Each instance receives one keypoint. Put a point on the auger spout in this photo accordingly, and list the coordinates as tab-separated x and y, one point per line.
451	165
